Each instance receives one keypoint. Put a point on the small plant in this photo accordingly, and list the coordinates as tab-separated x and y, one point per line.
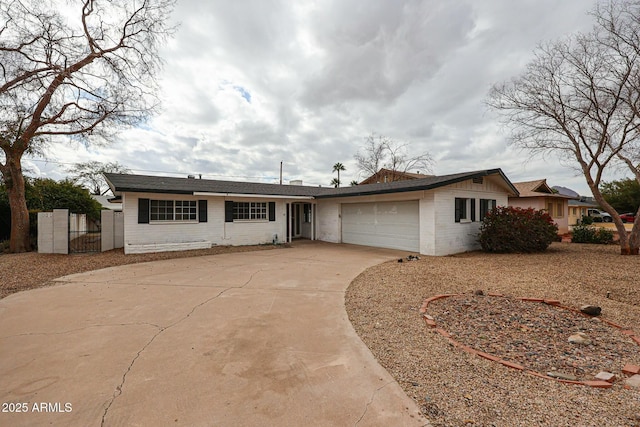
590	234
511	230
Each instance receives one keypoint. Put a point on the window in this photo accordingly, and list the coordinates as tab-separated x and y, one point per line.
249	210
186	210
173	210
161	210
555	209
307	212
461	209
485	206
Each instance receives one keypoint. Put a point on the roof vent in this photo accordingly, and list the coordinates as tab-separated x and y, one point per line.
478	180
191	176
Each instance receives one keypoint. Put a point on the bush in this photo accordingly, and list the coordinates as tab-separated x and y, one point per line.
512	230
586	220
589	234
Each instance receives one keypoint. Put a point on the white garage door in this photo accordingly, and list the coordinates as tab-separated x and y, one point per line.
394	225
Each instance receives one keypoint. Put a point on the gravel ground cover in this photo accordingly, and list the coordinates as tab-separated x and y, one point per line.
535	335
20	272
455	388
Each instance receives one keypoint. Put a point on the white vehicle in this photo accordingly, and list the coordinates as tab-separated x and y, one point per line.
599	216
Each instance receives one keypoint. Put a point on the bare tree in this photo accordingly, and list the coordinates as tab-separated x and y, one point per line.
380	152
83	79
90	174
579	98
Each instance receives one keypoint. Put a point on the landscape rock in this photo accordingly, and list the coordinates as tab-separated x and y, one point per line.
633	382
630	369
562	376
605	376
591	310
579	338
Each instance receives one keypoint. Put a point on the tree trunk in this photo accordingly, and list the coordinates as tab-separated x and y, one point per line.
628	243
634	239
623	238
14	180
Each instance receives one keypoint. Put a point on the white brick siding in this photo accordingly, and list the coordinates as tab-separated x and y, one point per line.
213	232
454	237
328	221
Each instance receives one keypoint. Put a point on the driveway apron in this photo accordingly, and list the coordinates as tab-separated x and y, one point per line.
244	339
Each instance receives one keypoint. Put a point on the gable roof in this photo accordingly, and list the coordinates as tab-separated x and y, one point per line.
428	183
374	179
120	183
537	188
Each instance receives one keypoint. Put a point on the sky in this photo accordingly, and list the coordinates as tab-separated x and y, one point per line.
248	84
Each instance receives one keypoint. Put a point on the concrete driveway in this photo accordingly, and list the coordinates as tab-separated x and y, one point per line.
244	339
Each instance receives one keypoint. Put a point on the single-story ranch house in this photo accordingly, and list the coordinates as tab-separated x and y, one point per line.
436	215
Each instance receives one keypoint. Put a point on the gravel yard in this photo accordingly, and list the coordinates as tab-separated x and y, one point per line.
455	388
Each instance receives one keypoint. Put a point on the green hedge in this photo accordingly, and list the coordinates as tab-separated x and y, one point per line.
590	234
516	230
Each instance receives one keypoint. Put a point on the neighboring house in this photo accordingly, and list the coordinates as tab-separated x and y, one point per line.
538	195
578	208
388	175
107	202
437	215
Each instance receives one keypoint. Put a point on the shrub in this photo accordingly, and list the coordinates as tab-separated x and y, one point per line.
589	234
586	220
506	229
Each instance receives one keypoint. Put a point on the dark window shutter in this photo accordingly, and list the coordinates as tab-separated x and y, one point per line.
143	211
458	209
228	211
473	210
202	211
272	211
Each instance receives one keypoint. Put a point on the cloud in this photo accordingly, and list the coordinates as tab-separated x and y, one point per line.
249	84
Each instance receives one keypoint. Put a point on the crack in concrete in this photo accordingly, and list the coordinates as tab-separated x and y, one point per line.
373	396
119	387
69	331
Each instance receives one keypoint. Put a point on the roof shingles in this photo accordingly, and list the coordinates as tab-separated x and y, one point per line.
120	183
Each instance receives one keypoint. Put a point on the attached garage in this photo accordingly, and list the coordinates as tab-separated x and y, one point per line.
393	225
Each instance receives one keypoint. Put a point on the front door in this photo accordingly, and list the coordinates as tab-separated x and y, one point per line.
295	220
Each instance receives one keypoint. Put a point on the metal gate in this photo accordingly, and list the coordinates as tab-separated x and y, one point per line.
84	236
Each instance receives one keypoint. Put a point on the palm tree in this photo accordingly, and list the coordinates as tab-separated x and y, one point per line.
335	182
337	168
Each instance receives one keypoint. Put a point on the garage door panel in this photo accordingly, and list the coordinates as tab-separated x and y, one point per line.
394	225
